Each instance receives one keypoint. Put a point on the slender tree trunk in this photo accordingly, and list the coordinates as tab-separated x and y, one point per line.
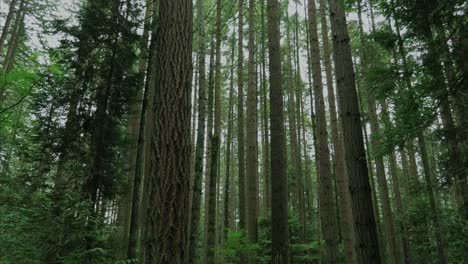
16	34
6	25
340	172
430	192
232	197
294	152
169	182
227	184
200	141
326	196
240	118
266	149
396	190
135	132
367	245
300	178
311	210
209	131
379	162
215	146
279	180
251	161
454	135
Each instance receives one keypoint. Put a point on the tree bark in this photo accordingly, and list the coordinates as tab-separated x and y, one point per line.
209	131
432	202
227	184
367	245
6	25
300	176
337	138
200	141
16	33
266	146
240	118
294	152
135	132
389	225
326	194
279	180
169	181
215	146
251	162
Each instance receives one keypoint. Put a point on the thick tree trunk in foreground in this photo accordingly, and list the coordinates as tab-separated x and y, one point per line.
169	180
367	245
279	180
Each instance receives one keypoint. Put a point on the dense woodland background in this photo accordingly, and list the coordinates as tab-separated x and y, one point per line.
223	131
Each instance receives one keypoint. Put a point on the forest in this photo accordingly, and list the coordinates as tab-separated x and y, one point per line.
233	131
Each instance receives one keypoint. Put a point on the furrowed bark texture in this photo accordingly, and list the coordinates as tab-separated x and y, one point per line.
169	178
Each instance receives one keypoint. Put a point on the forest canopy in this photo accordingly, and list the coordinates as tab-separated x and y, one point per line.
233	131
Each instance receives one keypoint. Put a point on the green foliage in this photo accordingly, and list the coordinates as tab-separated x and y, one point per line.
236	245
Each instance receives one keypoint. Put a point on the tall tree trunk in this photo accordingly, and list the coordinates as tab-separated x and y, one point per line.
252	159
200	141
367	245
337	138
311	210
266	146
326	196
456	168
279	180
240	118
215	146
375	202
432	202
209	131
135	132
294	152
396	190
232	189
169	182
227	185
300	178
376	152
